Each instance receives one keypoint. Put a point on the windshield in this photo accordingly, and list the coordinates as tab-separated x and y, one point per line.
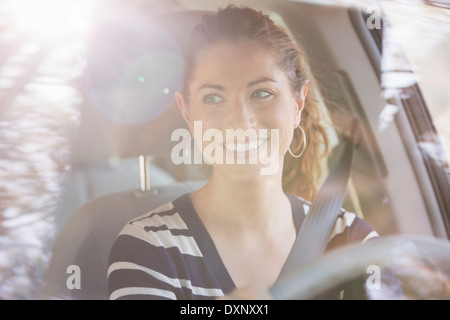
42	57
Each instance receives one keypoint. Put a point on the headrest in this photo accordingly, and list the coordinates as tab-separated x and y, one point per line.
134	67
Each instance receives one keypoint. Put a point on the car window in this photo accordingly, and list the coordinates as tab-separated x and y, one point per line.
427	58
413	85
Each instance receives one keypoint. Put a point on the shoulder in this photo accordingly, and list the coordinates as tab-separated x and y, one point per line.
348	227
156	256
163	227
358	228
165	217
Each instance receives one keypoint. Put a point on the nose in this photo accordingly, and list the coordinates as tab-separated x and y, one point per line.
240	116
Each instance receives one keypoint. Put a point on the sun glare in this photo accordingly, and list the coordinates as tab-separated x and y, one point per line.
50	20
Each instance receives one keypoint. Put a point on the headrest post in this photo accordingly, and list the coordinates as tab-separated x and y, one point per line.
144	167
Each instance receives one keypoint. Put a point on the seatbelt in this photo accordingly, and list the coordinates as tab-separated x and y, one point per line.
314	234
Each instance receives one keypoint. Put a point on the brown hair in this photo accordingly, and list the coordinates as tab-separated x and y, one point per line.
235	23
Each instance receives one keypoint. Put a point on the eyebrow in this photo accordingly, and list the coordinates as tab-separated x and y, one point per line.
221	88
252	83
211	86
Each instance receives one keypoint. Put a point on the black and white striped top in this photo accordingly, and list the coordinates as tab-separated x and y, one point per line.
168	254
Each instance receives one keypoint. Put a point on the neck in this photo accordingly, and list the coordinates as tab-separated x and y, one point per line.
258	206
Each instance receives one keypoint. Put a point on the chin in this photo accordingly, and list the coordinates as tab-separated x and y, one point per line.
246	174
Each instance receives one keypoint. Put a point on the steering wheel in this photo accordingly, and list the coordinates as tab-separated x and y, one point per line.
421	265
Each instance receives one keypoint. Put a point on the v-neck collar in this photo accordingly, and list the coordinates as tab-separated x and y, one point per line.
206	243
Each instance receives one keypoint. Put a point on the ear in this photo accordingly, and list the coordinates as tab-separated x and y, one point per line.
182	105
300	101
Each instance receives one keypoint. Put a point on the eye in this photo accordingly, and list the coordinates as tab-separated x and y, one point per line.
212	99
261	94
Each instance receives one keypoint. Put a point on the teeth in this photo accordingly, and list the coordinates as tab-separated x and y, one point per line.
245	147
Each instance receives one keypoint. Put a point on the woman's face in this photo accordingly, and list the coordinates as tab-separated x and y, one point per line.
237	85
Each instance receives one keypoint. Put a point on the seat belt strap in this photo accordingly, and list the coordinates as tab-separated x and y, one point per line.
314	234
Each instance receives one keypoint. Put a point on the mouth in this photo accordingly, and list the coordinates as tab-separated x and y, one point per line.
245	147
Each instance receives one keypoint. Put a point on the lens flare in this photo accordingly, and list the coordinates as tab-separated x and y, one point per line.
51	20
132	83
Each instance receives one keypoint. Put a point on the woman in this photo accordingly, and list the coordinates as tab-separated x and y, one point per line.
234	235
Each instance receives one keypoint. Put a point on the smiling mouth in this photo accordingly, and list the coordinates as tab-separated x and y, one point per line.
245	147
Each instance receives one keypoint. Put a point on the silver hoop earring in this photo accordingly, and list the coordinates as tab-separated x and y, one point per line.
304	144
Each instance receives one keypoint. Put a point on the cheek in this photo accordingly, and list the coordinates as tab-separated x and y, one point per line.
285	131
285	123
288	136
206	121
284	118
202	121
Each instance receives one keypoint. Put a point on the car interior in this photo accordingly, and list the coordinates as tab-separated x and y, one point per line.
120	154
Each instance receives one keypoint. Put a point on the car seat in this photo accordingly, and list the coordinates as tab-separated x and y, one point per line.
79	257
